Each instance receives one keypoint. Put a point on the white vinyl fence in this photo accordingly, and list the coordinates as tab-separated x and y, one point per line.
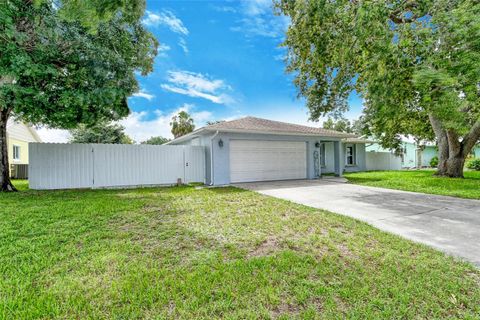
383	161
67	166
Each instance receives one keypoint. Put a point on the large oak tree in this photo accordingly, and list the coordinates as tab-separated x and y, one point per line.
415	63
68	62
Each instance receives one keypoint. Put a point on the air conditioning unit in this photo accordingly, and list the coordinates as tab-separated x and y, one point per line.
19	171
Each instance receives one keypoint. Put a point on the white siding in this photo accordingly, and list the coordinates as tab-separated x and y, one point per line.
20	131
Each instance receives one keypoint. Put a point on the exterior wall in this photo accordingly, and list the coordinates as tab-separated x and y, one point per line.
360	157
427	154
18	134
23	151
20	131
409	155
221	155
476	151
221	168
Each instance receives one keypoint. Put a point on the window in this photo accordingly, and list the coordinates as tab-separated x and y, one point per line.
16	152
350	155
322	155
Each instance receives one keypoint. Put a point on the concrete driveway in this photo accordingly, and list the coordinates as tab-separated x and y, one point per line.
446	223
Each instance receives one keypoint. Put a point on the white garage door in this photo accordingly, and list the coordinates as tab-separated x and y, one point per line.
260	160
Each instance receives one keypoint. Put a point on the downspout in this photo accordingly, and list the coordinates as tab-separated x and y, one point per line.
211	159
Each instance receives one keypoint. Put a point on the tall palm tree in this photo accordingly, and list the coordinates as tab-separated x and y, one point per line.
181	124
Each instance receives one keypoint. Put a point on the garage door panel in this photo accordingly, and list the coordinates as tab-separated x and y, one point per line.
257	160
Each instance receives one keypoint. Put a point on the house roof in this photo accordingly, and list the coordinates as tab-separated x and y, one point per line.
264	126
21	131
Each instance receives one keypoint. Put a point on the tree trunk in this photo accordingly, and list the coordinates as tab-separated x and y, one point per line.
5	183
452	151
451	167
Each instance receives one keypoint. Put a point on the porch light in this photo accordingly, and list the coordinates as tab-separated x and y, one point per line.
220	143
317	144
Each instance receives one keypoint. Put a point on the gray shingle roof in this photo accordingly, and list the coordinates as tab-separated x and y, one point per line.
253	124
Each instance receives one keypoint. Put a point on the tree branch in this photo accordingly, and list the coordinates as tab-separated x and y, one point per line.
471	138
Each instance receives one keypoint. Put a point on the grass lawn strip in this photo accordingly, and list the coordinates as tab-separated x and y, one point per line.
423	181
213	253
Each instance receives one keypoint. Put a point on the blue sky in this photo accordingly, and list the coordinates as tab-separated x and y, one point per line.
218	60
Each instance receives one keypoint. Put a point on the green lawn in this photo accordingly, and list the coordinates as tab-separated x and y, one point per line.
421	181
183	253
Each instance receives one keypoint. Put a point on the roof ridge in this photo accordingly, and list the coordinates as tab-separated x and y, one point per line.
294	124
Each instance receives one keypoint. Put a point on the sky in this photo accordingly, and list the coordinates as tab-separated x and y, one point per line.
218	60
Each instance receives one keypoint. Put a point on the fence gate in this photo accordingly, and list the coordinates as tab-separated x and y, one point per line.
68	166
194	164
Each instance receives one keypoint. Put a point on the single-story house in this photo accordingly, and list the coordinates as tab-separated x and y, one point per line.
19	135
254	149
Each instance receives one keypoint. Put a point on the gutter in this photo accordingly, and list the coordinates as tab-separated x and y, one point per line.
276	133
211	159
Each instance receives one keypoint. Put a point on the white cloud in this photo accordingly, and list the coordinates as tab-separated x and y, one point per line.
165	18
201	117
183	44
259	20
144	94
224	9
140	126
163	49
53	135
198	85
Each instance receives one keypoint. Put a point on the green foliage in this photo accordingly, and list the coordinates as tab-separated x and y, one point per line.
473	164
408	59
156	140
221	253
92	13
56	72
66	62
343	125
182	124
102	132
434	162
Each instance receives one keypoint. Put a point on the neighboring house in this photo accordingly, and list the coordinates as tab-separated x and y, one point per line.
18	137
416	155
254	149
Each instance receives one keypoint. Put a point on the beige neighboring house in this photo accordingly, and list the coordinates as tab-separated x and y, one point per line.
18	137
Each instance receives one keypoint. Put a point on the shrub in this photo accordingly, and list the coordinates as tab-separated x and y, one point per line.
434	162
474	164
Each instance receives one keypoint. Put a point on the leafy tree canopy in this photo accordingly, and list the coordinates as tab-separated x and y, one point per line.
102	132
156	140
415	63
181	124
343	125
68	62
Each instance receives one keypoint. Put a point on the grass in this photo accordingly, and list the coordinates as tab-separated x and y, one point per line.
421	181
184	252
